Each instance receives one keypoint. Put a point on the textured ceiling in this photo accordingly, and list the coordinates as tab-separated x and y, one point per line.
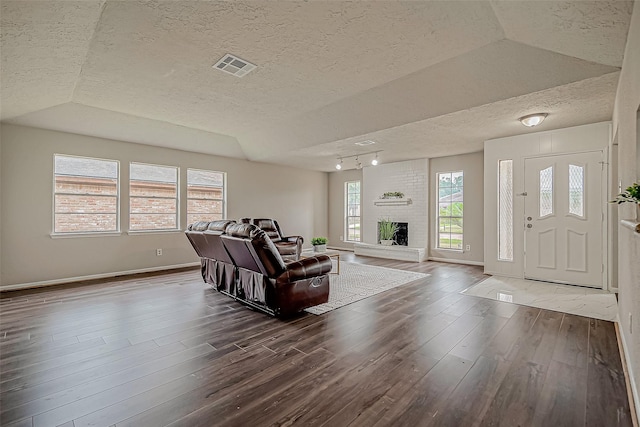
424	79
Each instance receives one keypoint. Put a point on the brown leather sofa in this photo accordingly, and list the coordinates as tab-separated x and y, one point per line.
216	266
241	261
289	247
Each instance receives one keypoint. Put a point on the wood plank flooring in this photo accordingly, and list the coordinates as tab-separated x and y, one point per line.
165	349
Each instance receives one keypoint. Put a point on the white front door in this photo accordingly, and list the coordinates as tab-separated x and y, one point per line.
564	219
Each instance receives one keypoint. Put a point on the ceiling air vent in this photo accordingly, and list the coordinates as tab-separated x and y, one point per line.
233	65
363	143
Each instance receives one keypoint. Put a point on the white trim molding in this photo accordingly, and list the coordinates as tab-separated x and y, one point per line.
635	397
456	261
20	286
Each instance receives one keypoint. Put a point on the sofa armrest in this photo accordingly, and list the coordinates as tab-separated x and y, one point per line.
305	269
294	239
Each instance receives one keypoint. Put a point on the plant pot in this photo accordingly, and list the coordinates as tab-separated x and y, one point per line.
386	242
320	248
637	212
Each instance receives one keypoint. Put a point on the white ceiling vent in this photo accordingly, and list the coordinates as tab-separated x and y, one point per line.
363	143
233	65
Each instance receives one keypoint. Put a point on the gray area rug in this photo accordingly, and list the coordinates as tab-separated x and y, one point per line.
356	282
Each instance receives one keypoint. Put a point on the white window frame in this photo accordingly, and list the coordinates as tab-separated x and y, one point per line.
54	192
224	191
437	240
346	210
177	201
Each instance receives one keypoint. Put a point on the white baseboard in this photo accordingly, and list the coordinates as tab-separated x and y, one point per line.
43	283
632	382
456	261
338	248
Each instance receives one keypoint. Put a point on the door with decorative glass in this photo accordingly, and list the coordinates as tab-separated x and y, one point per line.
564	219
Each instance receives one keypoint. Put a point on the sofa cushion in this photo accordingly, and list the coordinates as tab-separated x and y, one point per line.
260	246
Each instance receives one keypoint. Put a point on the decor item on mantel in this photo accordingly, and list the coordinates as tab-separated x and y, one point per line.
319	244
387	230
630	195
392	195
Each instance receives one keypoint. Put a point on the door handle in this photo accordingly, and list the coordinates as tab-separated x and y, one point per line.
529	225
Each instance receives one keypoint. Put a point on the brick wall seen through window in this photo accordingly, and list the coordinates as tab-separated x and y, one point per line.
205	195
153	197
85	195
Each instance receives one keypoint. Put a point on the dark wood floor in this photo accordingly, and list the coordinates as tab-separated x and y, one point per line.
164	349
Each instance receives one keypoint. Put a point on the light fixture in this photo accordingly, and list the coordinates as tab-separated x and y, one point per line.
374	161
533	119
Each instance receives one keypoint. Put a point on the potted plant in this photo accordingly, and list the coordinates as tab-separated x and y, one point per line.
393	195
319	244
630	195
387	229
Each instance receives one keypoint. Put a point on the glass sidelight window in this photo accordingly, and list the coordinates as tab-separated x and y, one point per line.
505	210
546	191
576	190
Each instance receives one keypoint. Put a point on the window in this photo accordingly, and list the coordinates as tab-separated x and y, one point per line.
205	195
85	195
153	192
352	205
546	192
576	190
450	210
505	210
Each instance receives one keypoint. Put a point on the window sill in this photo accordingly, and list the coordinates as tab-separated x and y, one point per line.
139	232
94	234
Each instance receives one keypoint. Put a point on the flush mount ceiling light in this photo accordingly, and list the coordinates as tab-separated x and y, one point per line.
339	165
533	119
233	65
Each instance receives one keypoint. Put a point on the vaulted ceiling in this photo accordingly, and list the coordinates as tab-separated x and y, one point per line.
421	78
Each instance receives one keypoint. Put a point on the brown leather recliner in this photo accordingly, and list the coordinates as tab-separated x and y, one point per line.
216	266
289	247
265	281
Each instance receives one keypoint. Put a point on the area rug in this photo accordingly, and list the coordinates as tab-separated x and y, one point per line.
357	281
569	299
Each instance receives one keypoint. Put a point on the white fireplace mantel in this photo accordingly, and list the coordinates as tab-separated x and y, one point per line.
392	202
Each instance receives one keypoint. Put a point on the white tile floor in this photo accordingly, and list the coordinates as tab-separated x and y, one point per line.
565	298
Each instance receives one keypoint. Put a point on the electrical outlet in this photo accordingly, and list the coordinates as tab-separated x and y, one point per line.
630	323
158	252
468	247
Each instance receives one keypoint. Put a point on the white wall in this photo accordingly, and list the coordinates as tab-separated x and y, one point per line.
337	208
473	221
412	179
625	128
579	138
296	198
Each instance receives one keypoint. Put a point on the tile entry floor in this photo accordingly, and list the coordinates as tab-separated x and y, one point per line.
576	300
